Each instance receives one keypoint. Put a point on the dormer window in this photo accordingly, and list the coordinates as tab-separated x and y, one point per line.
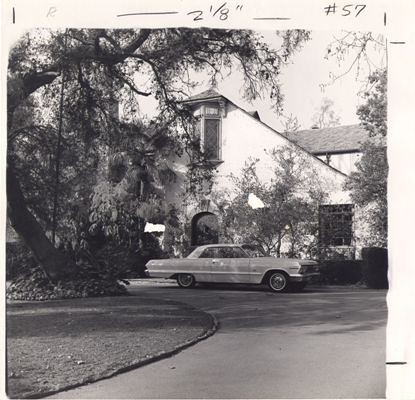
209	129
209	109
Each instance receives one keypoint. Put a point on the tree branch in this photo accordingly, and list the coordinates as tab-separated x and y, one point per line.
138	42
21	87
129	84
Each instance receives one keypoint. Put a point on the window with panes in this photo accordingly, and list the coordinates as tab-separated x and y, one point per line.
208	129
336	224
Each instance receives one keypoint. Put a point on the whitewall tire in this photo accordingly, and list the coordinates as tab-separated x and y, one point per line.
278	282
186	280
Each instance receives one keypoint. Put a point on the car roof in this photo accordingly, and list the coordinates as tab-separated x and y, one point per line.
205	246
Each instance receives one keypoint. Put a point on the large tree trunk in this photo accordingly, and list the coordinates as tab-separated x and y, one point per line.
55	264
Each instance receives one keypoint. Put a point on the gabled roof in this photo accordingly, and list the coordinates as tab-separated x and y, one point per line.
339	139
211	94
206	95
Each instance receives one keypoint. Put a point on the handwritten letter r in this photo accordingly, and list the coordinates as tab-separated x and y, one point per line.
51	12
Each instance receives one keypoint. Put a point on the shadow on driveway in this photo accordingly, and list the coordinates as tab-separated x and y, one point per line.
332	310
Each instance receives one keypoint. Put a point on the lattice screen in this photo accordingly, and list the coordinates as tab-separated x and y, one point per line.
336	222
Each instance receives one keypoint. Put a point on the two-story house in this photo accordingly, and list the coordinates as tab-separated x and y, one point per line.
229	136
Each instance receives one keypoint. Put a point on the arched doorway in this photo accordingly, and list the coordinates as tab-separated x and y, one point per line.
205	229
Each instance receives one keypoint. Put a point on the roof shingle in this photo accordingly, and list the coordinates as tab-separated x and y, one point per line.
346	138
205	95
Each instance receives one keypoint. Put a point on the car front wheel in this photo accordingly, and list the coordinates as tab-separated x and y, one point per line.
278	282
186	280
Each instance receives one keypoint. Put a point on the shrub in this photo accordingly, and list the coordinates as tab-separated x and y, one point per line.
341	272
18	258
375	267
122	262
93	279
125	262
36	286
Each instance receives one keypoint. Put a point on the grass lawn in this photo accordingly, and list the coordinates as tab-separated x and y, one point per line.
59	344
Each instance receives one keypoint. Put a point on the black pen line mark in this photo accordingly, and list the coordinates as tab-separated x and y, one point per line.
362	7
396	363
149	13
14	16
384	19
397	42
271	18
220	8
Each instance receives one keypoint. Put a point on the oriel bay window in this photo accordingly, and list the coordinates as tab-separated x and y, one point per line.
209	128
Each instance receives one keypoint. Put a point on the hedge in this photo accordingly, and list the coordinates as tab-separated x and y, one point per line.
375	267
341	272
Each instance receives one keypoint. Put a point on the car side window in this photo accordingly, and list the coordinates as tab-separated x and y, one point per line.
224	252
237	252
208	253
230	252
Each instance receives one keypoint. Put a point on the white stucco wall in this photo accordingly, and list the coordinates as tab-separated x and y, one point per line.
244	136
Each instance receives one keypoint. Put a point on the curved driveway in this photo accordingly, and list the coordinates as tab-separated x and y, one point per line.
322	343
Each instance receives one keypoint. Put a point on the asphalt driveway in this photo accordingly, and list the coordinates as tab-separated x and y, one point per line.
322	343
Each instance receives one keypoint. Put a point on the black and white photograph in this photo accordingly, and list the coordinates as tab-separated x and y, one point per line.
197	210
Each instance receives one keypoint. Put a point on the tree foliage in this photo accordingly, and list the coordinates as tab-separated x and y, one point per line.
288	222
373	113
98	68
353	52
290	123
368	184
326	116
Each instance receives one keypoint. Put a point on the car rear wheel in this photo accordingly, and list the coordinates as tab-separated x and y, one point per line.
186	280
278	282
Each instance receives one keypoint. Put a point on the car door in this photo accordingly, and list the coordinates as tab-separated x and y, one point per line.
231	264
212	266
208	263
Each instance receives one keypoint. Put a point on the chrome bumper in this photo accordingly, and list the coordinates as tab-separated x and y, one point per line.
304	277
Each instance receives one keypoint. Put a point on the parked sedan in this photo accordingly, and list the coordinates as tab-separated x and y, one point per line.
229	263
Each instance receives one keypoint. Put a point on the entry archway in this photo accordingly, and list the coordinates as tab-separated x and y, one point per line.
205	229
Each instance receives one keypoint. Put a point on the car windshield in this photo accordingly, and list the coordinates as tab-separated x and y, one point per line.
254	251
